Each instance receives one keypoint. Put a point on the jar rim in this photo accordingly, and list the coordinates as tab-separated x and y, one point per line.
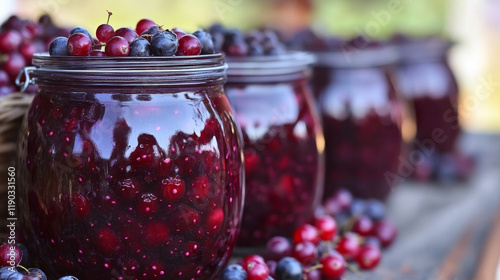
129	71
358	57
287	66
425	49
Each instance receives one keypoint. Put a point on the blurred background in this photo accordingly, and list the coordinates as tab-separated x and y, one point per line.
473	24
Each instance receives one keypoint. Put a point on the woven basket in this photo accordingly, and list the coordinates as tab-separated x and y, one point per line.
12	110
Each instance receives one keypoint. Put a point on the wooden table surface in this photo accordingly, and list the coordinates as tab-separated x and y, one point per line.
447	232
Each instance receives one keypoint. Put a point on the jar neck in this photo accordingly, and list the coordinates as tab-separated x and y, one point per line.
358	58
129	72
429	50
288	67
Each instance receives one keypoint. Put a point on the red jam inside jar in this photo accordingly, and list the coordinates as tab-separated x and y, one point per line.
429	85
362	117
283	143
131	167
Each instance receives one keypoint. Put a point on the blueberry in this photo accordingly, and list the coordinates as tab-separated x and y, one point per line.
164	43
81	30
269	278
234	272
255	49
207	44
150	32
140	47
37	273
68	278
275	49
59	46
14	276
217	28
289	269
375	209
358	207
6	271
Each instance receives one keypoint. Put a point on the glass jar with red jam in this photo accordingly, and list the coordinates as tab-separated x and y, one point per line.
362	117
283	143
131	167
428	84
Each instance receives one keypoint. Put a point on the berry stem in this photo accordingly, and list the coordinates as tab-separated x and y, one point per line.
109	16
354	269
314	267
23	268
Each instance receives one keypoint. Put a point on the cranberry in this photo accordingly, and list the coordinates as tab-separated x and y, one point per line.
107	241
201	189
10	41
237	49
386	232
96	45
173	188
251	259
306	233
128	33
278	247
186	219
117	46
363	226
81	206
272	268
147	154
143	25
348	246
97	53
257	271
215	219
334	266
192	249
128	188
189	45
156	233
252	161
368	257
178	32
10	255
314	274
332	207
14	63
79	45
4	78
148	204
154	270
27	50
327	227
344	198
105	32
305	252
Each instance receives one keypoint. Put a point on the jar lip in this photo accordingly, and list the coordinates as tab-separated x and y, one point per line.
129	71
290	62
358	57
425	49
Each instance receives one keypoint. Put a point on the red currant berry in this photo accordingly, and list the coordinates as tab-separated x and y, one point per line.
143	25
257	271
117	46
363	226
348	246
14	63
251	259
173	188
10	255
81	206
10	41
107	241
334	266
128	188
305	252
386	232
128	33
178	32
306	233
344	198
369	256
326	226
189	45
97	53
148	204
105	32
156	233
79	44
277	248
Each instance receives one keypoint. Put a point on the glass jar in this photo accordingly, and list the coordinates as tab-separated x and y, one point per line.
428	84
283	143
131	167
362	119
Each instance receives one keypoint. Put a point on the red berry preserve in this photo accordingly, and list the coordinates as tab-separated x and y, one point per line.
362	117
283	143
129	171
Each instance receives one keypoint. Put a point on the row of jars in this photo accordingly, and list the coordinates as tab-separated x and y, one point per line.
132	165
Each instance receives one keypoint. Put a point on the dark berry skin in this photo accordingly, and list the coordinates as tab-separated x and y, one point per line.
37	273
117	46
164	43
68	278
189	45
7	271
234	272
277	248
59	46
24	252
80	30
207	44
143	25
97	53
79	45
140	47
289	269
10	255
128	33
105	32
150	32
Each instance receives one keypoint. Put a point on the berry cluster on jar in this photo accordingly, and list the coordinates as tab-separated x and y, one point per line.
343	233
19	40
148	39
233	42
13	262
